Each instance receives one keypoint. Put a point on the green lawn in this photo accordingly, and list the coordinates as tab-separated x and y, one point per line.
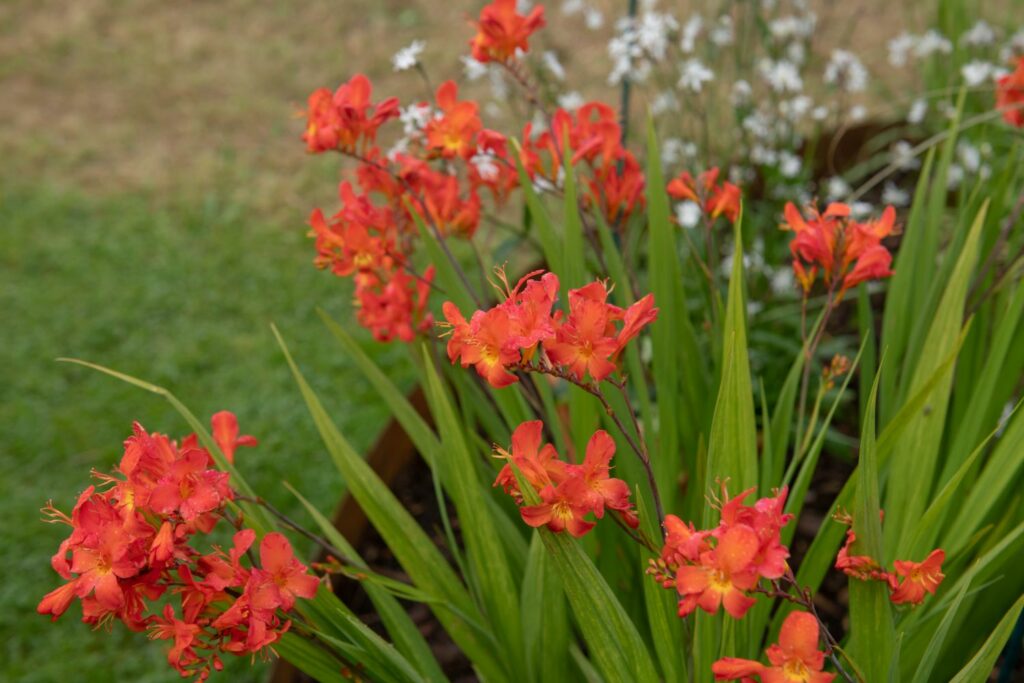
179	293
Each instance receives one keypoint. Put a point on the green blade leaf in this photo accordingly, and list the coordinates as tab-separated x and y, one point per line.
417	554
979	668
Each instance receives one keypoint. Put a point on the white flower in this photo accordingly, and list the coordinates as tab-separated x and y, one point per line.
663	102
900	47
846	71
570	101
917	111
781	76
740	94
796	108
782	280
414	118
552	64
977	72
524	6
593	18
499	86
688	213
837	188
694	75
978	35
789	164
408	56
485	164
819	113
473	69
858	112
969	155
892	194
955	176
763	155
1014	47
674	150
691	29
932	42
652	33
722	33
861	210
785	28
796	53
903	156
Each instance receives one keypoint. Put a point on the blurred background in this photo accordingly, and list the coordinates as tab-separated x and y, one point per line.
153	198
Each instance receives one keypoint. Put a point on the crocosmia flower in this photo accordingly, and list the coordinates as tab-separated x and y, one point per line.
844	251
918	578
453	132
721	567
714	198
568	492
502	31
347	119
794	659
1010	95
130	546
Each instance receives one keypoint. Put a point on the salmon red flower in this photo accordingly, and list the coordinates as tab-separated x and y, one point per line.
568	492
1010	95
346	120
918	578
502	31
794	659
714	198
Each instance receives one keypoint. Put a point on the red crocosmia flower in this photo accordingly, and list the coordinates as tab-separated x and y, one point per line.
918	578
189	488
538	464
395	307
183	633
766	518
863	567
57	601
1010	95
492	167
347	119
452	213
600	489
586	341
831	243
722	575
795	659
502	31
563	507
225	433
715	199
636	317
618	186
454	132
290	576
683	543
487	342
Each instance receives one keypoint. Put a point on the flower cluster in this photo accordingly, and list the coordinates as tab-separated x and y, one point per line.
585	343
568	492
592	139
794	659
1010	95
720	567
346	120
907	585
712	198
130	545
503	33
846	252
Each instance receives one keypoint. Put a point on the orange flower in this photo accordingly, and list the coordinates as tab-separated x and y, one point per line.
795	659
539	465
225	433
1010	95
586	341
600	490
562	508
918	578
502	31
715	199
487	342
722	575
347	119
831	242
453	134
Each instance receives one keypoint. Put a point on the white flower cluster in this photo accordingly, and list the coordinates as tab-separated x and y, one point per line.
408	57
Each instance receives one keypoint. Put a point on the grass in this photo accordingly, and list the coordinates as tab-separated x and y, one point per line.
180	294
